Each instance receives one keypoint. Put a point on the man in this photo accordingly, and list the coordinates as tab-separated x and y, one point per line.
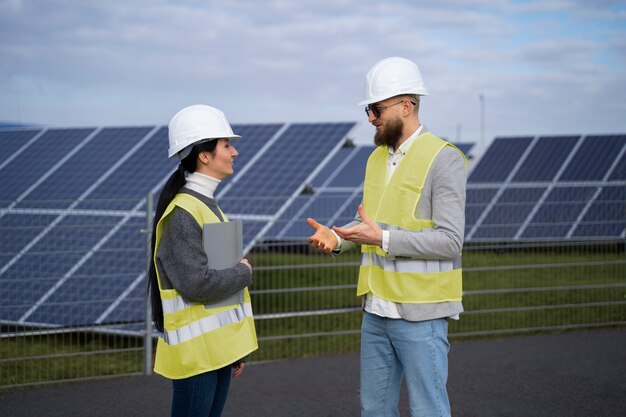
410	229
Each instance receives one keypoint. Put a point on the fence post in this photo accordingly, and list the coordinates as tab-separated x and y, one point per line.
148	330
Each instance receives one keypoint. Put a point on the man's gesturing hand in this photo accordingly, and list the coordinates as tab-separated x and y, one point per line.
323	239
366	233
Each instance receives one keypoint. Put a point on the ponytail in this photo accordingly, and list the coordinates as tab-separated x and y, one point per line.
173	184
171	187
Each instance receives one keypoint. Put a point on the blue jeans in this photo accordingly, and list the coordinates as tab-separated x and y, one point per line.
202	395
393	348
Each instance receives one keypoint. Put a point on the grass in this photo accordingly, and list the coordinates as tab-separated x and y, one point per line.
78	355
56	357
515	268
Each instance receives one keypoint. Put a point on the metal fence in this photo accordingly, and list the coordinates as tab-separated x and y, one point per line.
61	319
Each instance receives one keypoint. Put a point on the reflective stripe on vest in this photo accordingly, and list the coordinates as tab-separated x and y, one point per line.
393	205
207	324
199	339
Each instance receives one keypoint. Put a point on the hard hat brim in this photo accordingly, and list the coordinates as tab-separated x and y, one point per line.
178	150
381	98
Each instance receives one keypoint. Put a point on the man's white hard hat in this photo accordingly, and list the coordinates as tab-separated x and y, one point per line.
391	77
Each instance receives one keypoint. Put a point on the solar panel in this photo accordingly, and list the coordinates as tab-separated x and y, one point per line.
558	212
605	215
89	289
349	211
324	208
95	276
253	138
594	158
500	158
12	140
139	174
50	258
509	212
618	171
347	177
571	167
546	158
283	168
129	307
55	144
76	252
342	155
339	179
466	148
17	231
290	214
353	172
476	201
79	173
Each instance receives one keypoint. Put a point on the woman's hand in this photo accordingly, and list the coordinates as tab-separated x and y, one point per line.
246	263
238	369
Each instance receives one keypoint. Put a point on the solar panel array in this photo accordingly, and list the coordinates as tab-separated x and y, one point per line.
332	199
73	200
334	195
72	213
548	188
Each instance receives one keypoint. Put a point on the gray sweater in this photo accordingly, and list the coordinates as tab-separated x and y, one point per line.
182	262
443	201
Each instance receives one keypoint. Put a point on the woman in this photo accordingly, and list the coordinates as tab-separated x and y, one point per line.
200	344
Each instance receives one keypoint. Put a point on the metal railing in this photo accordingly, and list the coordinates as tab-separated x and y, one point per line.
304	301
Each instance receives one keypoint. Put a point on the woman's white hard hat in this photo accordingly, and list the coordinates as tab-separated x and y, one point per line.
195	124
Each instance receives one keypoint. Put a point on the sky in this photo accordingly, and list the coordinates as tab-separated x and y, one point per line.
493	67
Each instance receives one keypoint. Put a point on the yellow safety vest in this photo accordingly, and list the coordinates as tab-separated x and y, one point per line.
392	205
199	339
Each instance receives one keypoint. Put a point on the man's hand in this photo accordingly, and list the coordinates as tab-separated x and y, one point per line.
366	233
323	239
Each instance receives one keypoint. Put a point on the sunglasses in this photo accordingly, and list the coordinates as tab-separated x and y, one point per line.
377	110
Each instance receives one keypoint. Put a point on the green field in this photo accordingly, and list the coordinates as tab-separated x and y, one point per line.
554	288
561	273
59	357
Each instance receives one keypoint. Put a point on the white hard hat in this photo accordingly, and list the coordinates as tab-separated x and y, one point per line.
393	77
195	124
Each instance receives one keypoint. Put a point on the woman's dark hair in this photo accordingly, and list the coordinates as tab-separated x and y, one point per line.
173	184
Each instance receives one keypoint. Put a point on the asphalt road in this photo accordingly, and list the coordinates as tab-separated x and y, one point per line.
579	374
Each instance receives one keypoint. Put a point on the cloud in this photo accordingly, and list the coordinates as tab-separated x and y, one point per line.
65	62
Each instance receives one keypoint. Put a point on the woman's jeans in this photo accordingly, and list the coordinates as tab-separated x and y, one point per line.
202	395
393	348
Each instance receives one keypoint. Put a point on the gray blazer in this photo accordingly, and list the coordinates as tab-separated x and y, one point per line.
182	262
443	201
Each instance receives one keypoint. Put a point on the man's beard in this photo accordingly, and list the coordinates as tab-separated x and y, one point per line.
390	134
